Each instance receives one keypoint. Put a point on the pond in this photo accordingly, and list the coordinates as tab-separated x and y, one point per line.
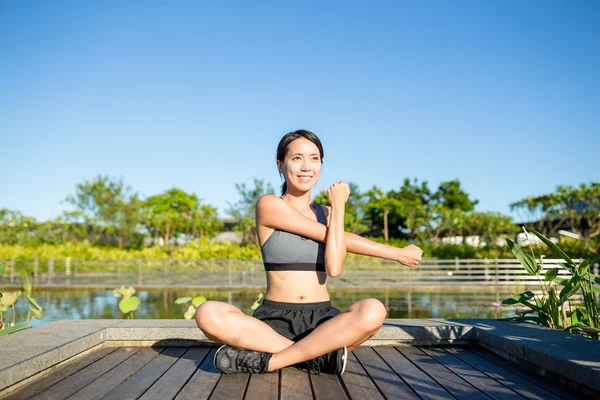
160	304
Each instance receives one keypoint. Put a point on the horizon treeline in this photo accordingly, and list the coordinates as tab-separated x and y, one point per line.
107	212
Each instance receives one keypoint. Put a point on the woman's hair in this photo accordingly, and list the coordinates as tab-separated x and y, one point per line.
287	139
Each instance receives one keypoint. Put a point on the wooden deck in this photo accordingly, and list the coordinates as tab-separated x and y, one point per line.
401	372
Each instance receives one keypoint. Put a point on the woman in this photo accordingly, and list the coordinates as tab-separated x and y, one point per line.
301	244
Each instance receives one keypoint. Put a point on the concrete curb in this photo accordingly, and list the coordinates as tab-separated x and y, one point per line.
571	357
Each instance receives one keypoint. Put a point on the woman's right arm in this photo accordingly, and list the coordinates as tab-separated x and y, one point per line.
274	213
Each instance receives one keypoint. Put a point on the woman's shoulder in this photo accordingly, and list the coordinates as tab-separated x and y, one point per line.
269	202
268	199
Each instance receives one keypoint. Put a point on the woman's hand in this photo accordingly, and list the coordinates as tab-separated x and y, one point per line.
338	194
409	255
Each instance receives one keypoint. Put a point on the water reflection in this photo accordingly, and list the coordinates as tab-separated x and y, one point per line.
160	304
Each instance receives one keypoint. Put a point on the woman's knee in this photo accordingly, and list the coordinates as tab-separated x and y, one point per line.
372	313
208	315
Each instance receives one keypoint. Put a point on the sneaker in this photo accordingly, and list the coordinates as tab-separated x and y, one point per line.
330	363
230	360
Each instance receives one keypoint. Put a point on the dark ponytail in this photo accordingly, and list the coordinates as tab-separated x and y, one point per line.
284	144
283	187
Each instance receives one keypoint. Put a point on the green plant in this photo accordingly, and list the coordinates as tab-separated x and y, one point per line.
9	299
129	303
552	309
195	302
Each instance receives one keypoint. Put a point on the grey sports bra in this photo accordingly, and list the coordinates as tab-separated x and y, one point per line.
286	251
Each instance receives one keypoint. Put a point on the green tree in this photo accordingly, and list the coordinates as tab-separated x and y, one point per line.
379	206
575	207
448	206
63	228
15	228
490	227
203	221
404	210
109	207
450	195
167	214
354	216
244	209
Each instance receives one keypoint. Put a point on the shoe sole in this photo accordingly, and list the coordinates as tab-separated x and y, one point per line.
345	358
217	352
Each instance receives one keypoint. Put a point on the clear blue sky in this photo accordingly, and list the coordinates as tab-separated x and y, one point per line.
504	95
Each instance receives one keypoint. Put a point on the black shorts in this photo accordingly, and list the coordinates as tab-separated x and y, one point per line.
295	320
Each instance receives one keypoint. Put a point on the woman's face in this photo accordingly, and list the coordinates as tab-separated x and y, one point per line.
301	167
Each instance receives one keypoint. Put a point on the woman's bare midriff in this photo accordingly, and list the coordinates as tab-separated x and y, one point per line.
297	286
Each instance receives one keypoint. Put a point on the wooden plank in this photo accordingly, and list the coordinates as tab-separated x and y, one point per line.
202	383
78	380
113	378
328	386
453	383
525	374
503	376
146	376
176	377
475	377
388	382
263	387
230	387
358	383
295	384
59	374
419	381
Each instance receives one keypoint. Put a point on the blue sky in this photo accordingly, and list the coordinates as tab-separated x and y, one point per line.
503	95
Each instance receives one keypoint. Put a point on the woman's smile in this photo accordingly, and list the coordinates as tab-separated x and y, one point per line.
304	178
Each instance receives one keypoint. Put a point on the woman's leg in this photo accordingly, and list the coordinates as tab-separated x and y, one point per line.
349	329
225	324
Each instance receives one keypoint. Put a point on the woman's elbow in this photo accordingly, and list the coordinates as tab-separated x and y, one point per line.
334	273
334	268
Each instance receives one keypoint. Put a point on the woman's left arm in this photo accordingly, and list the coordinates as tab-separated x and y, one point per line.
335	244
409	255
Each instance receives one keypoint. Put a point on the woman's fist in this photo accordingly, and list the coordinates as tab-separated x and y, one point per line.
410	255
338	194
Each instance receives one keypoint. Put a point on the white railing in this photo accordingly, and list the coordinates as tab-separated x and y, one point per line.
69	272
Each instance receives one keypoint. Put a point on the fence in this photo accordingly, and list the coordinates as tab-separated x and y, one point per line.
232	273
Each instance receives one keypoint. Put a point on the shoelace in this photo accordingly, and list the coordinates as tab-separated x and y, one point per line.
317	364
246	362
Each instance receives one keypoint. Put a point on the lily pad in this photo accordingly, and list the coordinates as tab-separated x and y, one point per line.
36	313
125	292
183	300
189	314
9	299
198	300
34	303
129	304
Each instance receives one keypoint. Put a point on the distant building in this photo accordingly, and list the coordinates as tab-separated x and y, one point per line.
228	234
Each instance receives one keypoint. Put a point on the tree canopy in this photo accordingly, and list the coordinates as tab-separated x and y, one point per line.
107	212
